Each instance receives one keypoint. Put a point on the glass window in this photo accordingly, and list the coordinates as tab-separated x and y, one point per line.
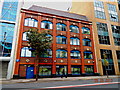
59	70
46	24
61	27
31	22
48	54
74	29
88	55
75	70
27	52
108	54
118	57
61	40
89	69
61	53
119	5
103	33
24	36
9	10
86	42
112	12
99	9
116	34
6	38
110	67
74	41
85	30
75	54
45	70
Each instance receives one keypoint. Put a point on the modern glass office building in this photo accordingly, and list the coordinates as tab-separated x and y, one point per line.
105	17
9	14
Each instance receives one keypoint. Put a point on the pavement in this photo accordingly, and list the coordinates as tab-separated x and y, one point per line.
11	81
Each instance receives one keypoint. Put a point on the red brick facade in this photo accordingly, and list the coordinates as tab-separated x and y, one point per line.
22	64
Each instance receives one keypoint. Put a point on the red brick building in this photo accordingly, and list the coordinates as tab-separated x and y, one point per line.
72	47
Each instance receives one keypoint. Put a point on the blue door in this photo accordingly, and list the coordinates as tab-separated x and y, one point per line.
30	72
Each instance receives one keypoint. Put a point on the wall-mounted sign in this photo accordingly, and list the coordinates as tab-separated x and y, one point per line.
17	60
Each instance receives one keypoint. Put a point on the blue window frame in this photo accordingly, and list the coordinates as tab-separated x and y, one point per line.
61	26
46	24
86	42
74	28
88	55
26	52
61	39
85	30
61	53
31	22
75	54
49	36
74	41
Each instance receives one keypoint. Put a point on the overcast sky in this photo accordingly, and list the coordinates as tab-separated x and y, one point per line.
55	4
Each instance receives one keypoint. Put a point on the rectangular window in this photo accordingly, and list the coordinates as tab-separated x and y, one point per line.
118	57
112	12
59	70
99	9
119	5
116	34
9	10
89	69
75	70
103	33
45	70
6	38
106	55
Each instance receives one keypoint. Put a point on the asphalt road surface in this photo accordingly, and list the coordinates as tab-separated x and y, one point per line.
111	84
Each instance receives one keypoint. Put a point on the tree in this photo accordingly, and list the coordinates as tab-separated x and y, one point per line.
105	63
39	42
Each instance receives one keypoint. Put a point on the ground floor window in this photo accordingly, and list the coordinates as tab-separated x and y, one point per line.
89	69
45	70
75	70
59	69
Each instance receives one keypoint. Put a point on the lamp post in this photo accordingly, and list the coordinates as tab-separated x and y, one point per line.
4	43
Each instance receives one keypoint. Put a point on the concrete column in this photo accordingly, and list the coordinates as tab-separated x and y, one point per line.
13	52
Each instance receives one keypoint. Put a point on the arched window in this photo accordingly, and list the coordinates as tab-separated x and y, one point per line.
24	36
49	36
85	30
61	53
48	54
86	42
74	29
61	26
27	52
74	41
46	24
88	55
61	39
75	54
31	22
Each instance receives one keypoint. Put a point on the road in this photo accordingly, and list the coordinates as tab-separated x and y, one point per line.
93	83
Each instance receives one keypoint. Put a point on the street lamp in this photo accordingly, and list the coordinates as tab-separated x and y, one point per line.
4	43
